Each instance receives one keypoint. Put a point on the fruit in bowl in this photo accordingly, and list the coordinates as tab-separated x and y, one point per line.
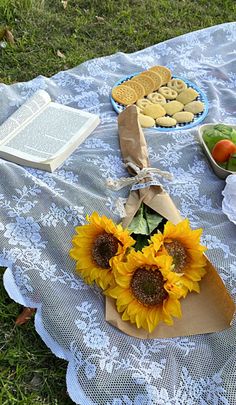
221	142
223	150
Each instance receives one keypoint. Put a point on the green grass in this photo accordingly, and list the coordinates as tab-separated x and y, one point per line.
87	29
29	373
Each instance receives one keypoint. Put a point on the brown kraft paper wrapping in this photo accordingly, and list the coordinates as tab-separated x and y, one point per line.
210	311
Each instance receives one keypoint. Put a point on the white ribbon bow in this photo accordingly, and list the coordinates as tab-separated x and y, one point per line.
146	172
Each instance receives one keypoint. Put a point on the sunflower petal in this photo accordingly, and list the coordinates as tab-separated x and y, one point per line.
172	307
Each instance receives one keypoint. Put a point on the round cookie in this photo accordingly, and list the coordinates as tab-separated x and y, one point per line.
173	107
154	76
168	93
164	72
124	95
177	85
146	121
146	82
183	117
156	98
154	111
166	122
142	103
194	107
137	87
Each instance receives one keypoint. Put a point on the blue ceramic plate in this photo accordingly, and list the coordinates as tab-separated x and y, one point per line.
197	117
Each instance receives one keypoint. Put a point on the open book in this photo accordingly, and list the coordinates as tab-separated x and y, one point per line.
42	134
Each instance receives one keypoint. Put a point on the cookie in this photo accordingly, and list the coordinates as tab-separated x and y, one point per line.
194	107
124	95
164	72
146	121
137	87
156	98
177	85
154	76
166	122
183	117
168	93
142	103
146	82
187	96
173	107
154	111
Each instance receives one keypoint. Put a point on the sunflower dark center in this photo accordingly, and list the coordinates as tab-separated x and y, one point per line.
179	255
104	248
148	286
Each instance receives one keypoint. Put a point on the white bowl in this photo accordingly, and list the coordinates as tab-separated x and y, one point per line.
229	200
219	171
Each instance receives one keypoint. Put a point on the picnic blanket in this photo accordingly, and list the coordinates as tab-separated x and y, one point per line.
39	210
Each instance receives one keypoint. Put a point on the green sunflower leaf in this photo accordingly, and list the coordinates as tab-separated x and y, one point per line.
145	221
153	220
139	224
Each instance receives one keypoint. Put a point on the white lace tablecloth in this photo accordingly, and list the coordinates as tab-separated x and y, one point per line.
39	211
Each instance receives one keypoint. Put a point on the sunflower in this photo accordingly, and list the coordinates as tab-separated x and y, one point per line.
94	247
183	245
146	290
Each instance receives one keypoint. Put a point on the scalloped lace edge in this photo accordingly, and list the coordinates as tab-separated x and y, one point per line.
73	387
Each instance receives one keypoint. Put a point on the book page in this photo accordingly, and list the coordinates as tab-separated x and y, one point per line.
49	132
24	113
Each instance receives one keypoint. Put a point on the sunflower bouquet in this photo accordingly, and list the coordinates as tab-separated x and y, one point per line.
146	284
152	266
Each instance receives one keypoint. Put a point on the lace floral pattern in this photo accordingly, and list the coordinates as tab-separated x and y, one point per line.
39	211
